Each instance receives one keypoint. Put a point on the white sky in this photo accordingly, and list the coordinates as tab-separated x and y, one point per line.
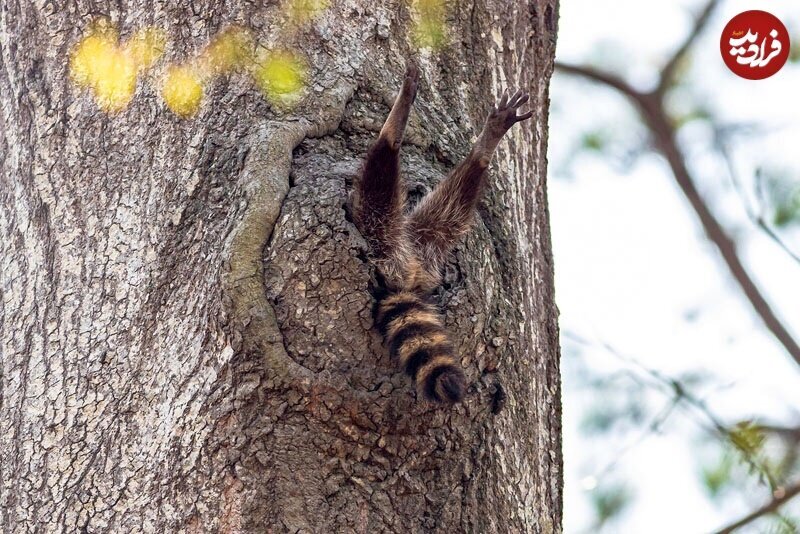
634	270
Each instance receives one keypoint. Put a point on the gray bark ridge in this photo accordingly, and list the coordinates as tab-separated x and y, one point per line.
185	322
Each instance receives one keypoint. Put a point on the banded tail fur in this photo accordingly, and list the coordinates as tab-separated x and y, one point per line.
409	249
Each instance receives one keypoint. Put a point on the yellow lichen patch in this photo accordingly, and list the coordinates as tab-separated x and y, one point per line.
88	58
146	47
116	82
280	74
229	51
429	30
182	90
98	63
300	11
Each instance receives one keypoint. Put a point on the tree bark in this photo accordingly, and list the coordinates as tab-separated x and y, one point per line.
185	319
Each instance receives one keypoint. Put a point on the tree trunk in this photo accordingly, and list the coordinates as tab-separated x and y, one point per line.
185	319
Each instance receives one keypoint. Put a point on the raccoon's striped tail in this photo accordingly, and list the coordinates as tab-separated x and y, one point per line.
415	333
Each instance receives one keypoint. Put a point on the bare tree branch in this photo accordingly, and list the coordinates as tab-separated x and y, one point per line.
755	215
780	497
651	107
788	433
668	71
792	432
601	77
664	135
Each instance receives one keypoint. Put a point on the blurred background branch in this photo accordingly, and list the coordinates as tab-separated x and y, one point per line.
652	108
781	496
667	76
747	438
756	215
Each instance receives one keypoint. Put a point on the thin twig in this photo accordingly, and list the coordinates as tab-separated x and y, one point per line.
681	394
652	427
781	493
755	218
668	72
779	497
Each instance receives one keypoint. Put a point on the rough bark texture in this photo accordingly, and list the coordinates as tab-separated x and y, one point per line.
185	321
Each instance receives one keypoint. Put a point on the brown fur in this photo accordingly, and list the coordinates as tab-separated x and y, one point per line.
410	251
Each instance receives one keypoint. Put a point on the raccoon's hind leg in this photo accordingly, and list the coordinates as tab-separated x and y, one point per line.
445	214
379	195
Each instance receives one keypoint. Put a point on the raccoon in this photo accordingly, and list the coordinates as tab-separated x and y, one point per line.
409	248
